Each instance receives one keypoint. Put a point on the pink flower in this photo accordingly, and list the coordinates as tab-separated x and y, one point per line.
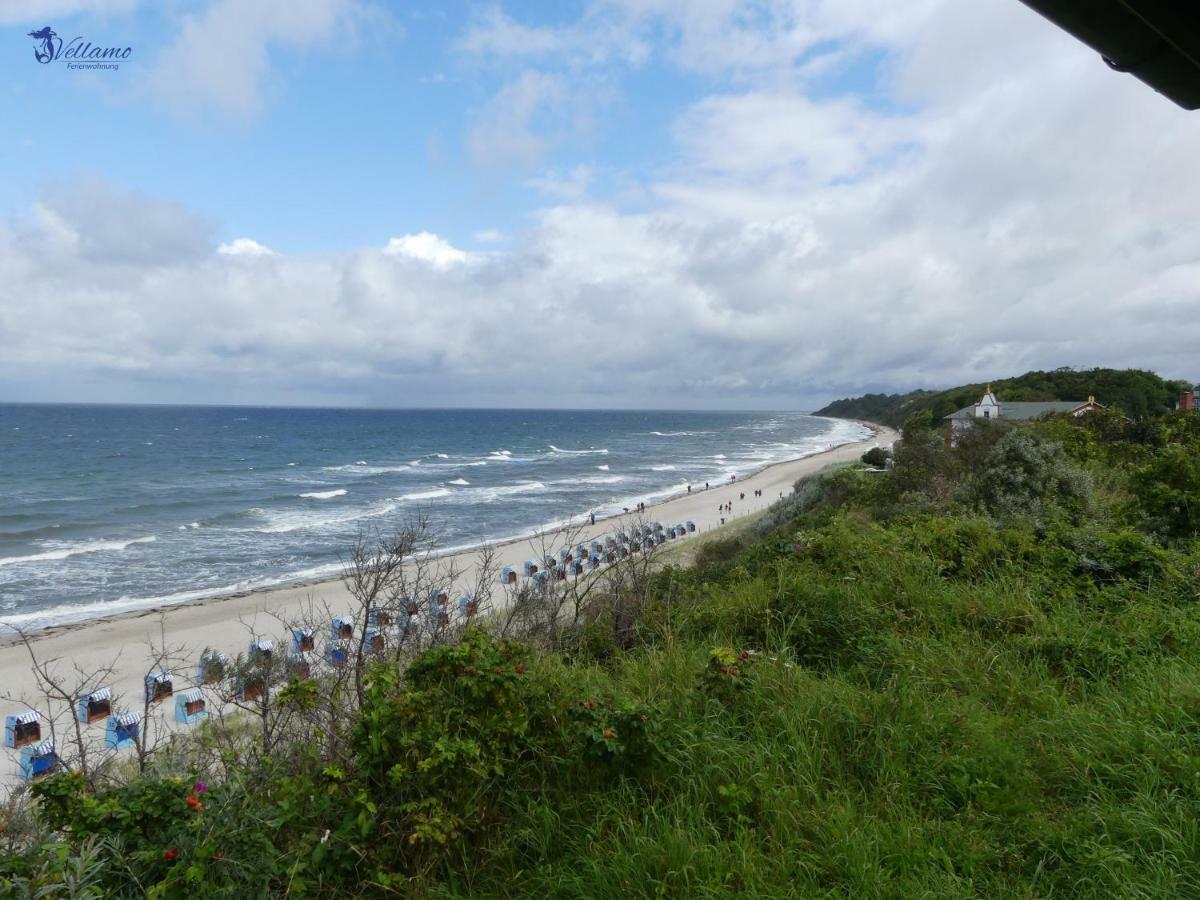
200	787
169	855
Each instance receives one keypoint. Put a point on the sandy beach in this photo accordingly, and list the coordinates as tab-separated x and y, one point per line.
224	623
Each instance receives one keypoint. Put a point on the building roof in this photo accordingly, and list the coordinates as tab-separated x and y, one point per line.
1022	410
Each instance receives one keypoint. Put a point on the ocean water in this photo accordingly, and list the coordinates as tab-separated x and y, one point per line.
108	508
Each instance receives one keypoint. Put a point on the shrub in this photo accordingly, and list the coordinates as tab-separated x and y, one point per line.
877	457
1167	492
1024	474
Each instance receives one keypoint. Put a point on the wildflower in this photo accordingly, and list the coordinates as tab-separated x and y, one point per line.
609	733
194	802
218	855
520	670
588	704
744	655
200	787
169	855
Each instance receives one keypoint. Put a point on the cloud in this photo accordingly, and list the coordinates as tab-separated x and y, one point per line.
221	60
489	236
427	248
512	128
39	12
245	247
985	218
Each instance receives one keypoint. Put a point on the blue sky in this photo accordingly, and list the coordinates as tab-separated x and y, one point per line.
708	203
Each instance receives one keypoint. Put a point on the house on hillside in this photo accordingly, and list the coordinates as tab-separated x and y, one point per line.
1189	401
989	408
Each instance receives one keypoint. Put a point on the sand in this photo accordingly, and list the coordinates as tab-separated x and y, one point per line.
225	623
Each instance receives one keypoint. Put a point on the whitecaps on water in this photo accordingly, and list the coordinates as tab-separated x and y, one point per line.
461	482
325	495
602	468
592	450
68	550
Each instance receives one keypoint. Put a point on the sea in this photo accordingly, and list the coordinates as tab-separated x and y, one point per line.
105	509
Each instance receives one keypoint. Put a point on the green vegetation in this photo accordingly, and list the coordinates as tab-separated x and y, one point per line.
974	674
1136	392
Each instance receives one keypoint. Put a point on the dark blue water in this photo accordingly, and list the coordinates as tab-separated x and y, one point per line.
105	508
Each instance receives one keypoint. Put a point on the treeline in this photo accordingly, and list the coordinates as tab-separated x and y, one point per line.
970	672
1136	392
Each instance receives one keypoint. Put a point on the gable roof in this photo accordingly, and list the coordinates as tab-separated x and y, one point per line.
1023	410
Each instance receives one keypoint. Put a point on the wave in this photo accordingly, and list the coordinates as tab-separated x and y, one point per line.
718	456
75	550
602	468
361	468
593	450
189	525
424	495
461	482
488	495
662	468
679	433
325	495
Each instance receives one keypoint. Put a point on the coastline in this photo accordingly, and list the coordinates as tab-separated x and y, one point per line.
225	622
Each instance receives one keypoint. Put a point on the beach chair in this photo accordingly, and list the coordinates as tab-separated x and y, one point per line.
337	653
260	651
212	667
597	547
577	567
531	568
376	641
691	527
439	595
190	707
298	668
341	628
594	561
123	729
438	616
508	576
38	760
467	606
565	555
95	706
380	618
303	640
22	729
159	686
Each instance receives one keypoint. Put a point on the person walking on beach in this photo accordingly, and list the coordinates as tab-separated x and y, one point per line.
593	518
689	488
706	485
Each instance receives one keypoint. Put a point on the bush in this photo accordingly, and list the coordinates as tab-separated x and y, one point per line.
877	457
1167	492
1024	475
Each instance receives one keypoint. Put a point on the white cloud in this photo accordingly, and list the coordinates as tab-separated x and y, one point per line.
512	128
221	60
489	236
39	12
792	248
428	248
245	247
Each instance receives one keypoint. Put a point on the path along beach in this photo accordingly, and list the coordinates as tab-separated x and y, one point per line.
225	623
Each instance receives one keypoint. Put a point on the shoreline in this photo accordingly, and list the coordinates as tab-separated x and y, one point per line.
118	643
159	606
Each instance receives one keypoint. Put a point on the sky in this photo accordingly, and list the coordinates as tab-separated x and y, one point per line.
581	203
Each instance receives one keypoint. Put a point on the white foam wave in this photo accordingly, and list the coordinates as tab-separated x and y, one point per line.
718	456
662	468
488	495
69	550
602	468
461	482
680	433
325	495
425	495
593	450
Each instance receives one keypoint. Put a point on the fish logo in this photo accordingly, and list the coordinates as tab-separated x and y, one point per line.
48	44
